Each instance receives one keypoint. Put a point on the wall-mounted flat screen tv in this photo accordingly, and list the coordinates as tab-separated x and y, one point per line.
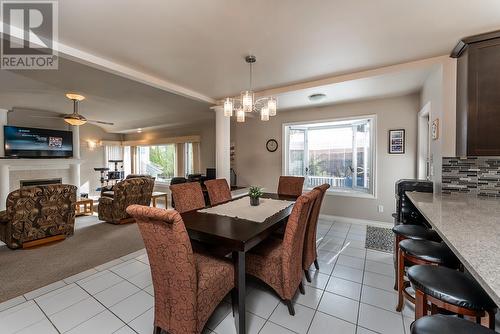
20	142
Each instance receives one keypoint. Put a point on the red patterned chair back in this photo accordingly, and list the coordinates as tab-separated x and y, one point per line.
310	253
293	242
290	185
218	191
187	196
173	267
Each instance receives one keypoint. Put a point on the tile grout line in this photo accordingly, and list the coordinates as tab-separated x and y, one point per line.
47	317
328	281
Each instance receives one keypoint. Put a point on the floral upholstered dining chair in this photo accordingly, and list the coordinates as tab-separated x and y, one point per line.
278	262
218	191
187	196
290	185
310	254
188	286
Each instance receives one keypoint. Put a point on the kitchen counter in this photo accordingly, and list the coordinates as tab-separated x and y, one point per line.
470	226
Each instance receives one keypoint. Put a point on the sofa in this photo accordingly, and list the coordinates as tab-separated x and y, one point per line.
137	190
36	213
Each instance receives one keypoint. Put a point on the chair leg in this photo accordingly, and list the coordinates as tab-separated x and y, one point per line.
316	264
420	304
289	304
157	330
301	288
400	278
233	299
307	275
396	251
491	319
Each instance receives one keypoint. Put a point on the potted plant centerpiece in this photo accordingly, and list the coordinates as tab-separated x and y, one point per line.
255	193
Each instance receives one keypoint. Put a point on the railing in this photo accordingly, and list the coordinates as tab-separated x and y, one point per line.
314	181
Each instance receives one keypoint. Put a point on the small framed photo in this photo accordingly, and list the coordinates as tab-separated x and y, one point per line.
435	129
397	141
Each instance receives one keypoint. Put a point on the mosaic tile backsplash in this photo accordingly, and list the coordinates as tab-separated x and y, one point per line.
477	176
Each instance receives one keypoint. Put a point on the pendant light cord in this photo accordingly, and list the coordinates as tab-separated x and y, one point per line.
251	76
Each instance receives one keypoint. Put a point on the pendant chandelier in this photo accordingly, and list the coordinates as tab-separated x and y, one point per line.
266	106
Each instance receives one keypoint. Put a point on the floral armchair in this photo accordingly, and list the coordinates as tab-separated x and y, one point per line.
38	212
130	191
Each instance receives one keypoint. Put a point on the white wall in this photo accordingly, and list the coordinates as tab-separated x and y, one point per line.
440	91
256	166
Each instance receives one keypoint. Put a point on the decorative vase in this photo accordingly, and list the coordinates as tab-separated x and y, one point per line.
254	201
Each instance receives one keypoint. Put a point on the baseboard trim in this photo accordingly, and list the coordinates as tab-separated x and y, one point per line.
358	221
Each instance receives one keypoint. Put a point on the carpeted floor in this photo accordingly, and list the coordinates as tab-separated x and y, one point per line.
93	243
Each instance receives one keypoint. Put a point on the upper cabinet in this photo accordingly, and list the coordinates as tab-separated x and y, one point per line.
478	95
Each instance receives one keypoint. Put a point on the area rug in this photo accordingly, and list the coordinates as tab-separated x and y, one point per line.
379	238
93	244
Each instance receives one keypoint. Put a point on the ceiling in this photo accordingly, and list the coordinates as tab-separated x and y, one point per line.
379	86
200	44
127	103
181	55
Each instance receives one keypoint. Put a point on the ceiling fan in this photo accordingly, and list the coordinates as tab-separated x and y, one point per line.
75	118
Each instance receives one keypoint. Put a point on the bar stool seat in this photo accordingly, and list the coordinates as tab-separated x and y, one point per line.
430	251
415	232
450	286
449	290
440	324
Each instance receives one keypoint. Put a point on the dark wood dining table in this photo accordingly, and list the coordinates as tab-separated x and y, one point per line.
237	236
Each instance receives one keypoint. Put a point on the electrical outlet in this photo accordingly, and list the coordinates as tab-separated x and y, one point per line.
380	208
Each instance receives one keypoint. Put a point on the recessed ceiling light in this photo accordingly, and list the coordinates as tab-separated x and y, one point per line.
317	97
139	130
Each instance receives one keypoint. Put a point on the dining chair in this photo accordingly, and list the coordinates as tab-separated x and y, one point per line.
218	191
188	286
187	196
290	185
310	255
278	262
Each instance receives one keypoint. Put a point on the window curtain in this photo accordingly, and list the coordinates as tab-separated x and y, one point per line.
112	152
196	158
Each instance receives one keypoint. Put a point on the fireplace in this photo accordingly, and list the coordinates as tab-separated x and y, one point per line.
39	182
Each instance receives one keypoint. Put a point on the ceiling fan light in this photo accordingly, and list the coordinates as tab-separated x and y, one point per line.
76	97
264	114
240	115
228	107
247	101
75	120
271	105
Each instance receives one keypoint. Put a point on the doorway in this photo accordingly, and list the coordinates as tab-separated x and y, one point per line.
423	150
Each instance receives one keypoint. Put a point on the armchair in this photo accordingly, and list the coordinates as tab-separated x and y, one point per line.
36	213
130	191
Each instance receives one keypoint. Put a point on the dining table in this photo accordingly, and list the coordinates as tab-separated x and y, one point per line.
237	236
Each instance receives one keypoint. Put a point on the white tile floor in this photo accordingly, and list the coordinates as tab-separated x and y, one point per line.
351	293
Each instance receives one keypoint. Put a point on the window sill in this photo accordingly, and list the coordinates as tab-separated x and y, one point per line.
347	193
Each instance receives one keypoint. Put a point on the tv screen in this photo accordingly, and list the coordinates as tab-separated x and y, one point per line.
37	143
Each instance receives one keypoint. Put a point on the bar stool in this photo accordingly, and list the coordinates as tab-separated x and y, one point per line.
414	232
413	252
449	290
440	324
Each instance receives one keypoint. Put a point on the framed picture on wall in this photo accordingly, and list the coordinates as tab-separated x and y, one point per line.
397	141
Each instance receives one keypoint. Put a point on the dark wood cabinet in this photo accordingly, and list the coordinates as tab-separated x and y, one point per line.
478	95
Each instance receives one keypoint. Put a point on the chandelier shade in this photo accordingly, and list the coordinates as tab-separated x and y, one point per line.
247	103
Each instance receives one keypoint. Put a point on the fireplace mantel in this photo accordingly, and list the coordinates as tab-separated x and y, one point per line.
28	164
9	165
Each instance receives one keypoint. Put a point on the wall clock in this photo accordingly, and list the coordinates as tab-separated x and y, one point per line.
272	145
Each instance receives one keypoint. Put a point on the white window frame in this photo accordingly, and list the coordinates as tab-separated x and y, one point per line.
166	182
335	191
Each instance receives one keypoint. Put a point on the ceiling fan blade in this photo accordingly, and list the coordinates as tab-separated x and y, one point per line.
100	122
40	116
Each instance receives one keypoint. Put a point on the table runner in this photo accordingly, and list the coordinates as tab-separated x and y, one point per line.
242	209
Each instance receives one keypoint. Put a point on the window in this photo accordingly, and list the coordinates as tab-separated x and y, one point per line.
188	158
339	152
158	161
